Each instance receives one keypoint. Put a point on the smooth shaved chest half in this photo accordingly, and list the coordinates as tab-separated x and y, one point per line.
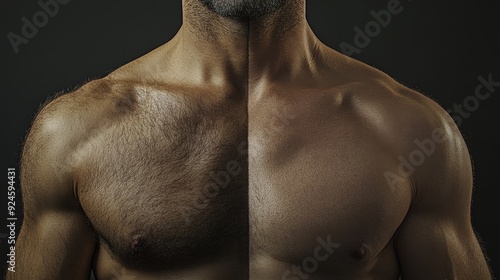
319	202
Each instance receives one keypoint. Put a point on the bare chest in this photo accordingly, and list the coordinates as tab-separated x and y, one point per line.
166	188
317	176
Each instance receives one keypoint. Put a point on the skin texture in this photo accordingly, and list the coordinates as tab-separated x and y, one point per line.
120	175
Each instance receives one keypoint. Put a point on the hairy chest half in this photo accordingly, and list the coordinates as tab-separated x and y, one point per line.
167	186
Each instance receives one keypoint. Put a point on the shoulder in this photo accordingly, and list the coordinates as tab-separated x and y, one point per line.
402	113
56	141
419	131
65	114
63	123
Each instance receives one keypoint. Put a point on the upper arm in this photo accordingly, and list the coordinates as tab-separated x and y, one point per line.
55	241
436	240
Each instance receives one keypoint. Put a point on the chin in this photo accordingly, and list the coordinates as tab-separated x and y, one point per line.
244	9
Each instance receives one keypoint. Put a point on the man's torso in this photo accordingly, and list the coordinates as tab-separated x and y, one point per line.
163	178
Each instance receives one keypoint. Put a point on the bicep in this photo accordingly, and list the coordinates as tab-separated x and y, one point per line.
431	247
54	246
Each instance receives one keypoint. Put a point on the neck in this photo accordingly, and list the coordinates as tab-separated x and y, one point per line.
216	49
282	44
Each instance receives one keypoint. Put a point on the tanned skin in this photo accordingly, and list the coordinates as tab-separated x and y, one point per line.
117	176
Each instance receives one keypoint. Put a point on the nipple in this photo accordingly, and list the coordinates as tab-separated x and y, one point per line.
138	242
359	253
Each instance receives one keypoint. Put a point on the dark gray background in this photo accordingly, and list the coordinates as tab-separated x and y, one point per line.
437	48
